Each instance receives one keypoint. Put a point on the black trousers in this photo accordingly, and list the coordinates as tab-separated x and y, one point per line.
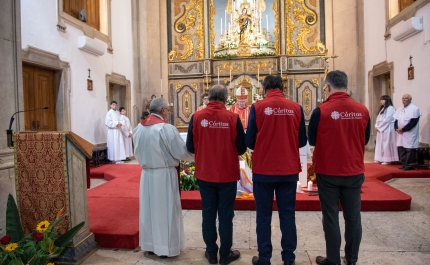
407	157
346	190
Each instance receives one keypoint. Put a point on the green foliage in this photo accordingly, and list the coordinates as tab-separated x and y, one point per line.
36	248
13	222
187	179
225	56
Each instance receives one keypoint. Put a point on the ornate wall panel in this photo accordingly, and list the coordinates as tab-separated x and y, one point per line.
305	64
303	27
186	68
187	38
185	95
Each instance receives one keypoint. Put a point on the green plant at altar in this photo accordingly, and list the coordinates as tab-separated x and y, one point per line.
36	248
226	56
187	179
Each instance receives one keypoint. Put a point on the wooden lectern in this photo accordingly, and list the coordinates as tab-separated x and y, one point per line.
51	173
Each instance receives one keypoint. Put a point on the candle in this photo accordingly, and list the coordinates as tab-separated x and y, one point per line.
299	188
229	29
267	24
225	18
310	185
221	30
218	75
230	77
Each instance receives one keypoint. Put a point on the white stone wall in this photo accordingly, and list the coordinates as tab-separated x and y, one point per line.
378	50
87	108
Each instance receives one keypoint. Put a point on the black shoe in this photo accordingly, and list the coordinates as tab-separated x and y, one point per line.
407	168
211	260
163	257
150	253
234	255
324	261
256	261
289	263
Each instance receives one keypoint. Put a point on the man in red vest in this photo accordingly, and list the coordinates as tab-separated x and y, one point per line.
339	129
276	131
216	137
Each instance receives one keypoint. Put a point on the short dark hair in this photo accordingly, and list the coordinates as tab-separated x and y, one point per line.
120	109
337	79
273	82
205	95
113	101
218	93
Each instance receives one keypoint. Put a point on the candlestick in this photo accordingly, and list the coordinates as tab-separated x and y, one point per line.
220	31
299	188
310	185
229	29
267	24
225	17
218	75
230	77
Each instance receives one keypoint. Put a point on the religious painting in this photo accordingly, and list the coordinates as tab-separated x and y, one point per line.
410	72
89	84
244	28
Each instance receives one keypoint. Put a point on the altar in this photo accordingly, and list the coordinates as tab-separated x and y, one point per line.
237	43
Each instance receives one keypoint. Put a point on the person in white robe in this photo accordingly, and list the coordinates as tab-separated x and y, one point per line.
158	147
386	137
127	133
407	128
115	144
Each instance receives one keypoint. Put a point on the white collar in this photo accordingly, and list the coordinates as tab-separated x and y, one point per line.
157	116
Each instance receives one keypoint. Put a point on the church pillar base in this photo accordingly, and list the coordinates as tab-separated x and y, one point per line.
76	254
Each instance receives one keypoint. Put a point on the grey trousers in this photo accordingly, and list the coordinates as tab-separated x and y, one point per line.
407	157
346	190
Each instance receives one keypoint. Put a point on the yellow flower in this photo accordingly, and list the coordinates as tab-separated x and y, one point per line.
50	263
11	247
180	174
42	226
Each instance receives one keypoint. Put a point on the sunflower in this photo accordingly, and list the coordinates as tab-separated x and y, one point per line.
11	247
42	226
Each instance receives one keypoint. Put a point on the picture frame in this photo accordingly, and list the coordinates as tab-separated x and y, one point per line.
89	84
410	72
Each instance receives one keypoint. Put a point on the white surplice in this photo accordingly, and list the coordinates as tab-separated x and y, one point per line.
158	149
126	131
386	136
115	142
403	115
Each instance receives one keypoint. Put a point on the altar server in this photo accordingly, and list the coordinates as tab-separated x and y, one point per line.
339	129
216	137
407	128
127	133
115	143
158	147
386	146
276	131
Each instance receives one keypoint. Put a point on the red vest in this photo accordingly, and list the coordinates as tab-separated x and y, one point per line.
276	149
216	157
339	149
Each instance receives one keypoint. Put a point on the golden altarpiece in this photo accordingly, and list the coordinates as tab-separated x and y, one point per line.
240	42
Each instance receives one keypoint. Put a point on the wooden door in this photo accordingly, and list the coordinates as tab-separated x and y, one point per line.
39	92
388	90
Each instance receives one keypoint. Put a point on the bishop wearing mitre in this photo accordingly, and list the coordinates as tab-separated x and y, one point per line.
241	108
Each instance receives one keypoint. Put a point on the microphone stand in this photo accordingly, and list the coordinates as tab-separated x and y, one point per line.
9	132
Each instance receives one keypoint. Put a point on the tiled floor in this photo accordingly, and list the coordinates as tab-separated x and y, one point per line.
388	237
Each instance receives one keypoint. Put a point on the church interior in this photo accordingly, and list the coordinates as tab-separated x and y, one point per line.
64	61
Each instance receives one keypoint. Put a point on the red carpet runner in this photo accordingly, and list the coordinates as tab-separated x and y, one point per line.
114	206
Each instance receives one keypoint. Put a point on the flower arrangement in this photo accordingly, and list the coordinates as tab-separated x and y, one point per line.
37	248
187	179
231	101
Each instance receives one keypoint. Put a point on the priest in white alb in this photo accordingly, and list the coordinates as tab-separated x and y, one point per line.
115	142
158	147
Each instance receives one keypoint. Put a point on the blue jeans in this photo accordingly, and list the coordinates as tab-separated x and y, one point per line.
347	191
286	201
218	198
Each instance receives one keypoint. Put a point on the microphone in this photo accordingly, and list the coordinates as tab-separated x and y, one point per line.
10	131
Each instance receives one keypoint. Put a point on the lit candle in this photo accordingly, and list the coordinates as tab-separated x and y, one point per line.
267	24
310	185
299	188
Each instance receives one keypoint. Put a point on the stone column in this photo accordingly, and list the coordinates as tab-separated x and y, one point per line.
11	99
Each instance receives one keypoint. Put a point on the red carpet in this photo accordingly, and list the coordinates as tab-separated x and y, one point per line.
114	206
